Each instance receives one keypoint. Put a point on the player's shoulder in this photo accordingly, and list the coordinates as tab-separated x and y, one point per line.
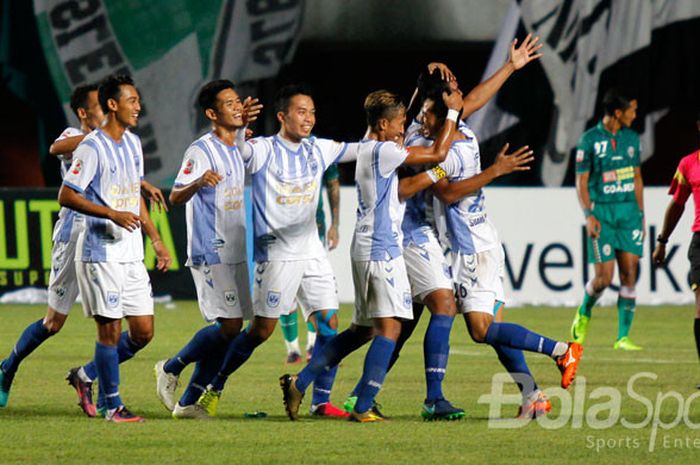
132	139
690	160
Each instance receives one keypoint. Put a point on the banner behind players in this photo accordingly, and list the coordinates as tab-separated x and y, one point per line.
171	48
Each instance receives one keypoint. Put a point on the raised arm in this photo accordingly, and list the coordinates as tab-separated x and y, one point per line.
67	145
451	192
437	152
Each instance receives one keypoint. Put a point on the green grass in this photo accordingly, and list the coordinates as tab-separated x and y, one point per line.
42	423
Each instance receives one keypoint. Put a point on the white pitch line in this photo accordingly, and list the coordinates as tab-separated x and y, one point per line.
657	361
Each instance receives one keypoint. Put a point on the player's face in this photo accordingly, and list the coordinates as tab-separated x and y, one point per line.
431	123
229	112
300	117
128	106
629	115
93	115
393	129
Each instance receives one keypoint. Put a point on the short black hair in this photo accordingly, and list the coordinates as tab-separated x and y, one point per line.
207	96
79	97
284	95
615	100
110	88
430	84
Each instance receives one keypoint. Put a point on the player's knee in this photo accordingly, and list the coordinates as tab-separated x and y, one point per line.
327	324
53	325
628	292
142	337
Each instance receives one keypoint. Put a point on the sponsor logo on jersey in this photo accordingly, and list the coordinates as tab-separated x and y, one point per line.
610	176
60	291
273	299
580	155
189	166
618	188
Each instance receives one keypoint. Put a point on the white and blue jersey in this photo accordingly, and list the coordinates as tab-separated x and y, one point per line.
216	226
416	225
69	222
108	173
377	235
464	223
286	179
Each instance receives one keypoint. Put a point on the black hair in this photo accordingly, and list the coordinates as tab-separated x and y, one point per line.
615	100
430	84
110	88
79	97
207	96
284	95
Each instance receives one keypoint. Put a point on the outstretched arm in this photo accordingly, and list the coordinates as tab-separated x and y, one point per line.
450	192
67	145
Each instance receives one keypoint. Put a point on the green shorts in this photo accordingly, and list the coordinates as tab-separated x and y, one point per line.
620	230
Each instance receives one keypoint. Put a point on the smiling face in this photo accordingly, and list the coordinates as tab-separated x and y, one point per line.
229	110
299	119
431	123
128	107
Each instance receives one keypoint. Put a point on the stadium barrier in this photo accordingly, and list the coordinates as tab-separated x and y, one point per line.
542	230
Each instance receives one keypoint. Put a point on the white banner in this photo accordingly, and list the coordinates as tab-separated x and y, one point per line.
542	230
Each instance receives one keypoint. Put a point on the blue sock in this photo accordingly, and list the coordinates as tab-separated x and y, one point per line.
518	337
239	351
513	360
332	353
201	344
31	338
126	349
376	363
324	381
436	349
204	371
107	361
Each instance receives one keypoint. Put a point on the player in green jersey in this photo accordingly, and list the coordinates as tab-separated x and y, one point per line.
609	187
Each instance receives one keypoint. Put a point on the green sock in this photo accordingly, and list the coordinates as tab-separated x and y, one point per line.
625	315
587	304
310	327
290	330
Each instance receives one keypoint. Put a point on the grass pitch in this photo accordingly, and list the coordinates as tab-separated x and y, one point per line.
42	423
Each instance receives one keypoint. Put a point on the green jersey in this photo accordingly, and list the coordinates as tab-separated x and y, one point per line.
610	160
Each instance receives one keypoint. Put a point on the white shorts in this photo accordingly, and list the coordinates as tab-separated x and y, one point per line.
114	290
63	283
277	283
381	291
223	291
478	280
427	269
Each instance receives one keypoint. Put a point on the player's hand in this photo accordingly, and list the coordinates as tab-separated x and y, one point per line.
659	256
526	53
332	236
453	100
126	220
209	179
248	133
445	73
516	161
163	258
154	195
593	227
251	109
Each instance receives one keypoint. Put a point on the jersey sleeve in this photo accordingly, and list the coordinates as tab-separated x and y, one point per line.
680	187
391	156
256	153
583	155
194	164
331	151
451	165
83	168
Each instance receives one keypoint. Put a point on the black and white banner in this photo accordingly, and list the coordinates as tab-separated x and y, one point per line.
647	48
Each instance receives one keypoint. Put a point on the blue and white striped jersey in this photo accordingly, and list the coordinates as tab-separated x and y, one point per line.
377	233
108	173
286	181
69	222
216	225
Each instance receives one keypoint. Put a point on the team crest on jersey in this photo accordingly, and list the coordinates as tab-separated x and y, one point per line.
313	165
273	299
230	298
607	250
630	152
112	299
77	166
60	291
407	301
189	166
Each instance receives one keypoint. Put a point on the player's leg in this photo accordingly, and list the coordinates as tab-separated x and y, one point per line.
310	340
696	324
694	259
600	253
290	331
626	300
